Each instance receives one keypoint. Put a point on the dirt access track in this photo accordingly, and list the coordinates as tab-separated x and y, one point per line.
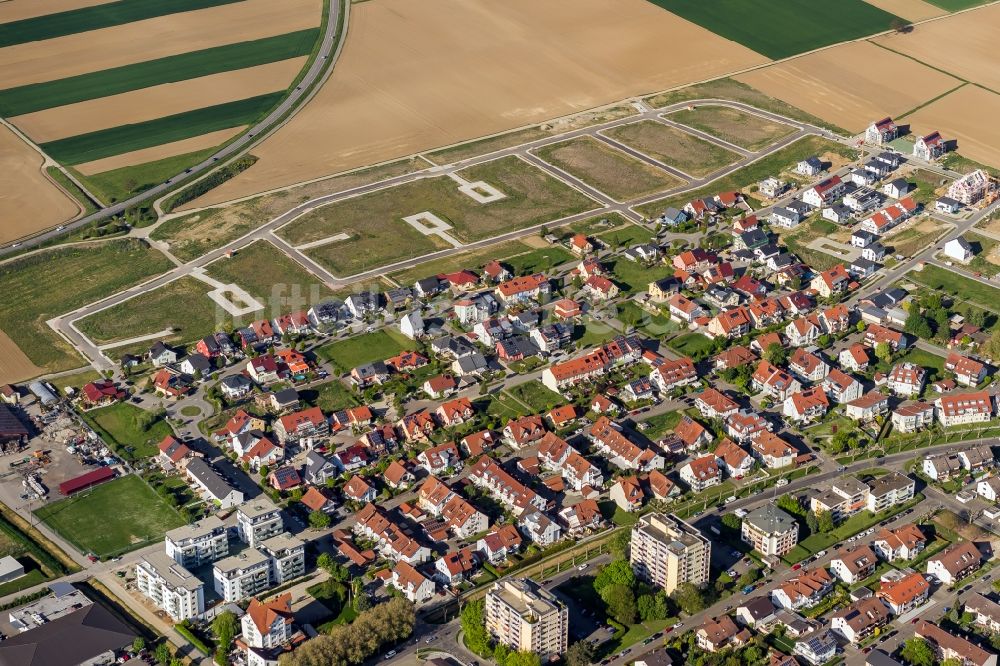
29	201
852	84
420	75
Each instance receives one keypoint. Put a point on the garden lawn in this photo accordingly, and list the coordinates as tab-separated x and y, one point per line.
691	344
33	575
270	276
541	260
37	288
655	326
737	127
126	138
782	28
627	236
331	396
611	171
592	333
772	165
956	285
673	147
932	362
660	424
362	349
181	305
536	396
111	518
633	277
119	424
93	85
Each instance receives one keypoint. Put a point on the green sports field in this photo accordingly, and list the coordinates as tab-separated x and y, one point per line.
95	18
126	138
38	96
113	517
782	28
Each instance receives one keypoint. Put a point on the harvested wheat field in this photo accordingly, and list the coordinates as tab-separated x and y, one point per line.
417	75
14	365
17	10
963	44
154	38
157	101
851	85
182	147
968	115
29	201
911	10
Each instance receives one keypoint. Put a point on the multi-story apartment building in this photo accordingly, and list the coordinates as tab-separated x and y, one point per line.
267	629
170	586
193	545
771	531
667	552
961	408
888	491
298	425
257	520
524	616
846	497
288	557
244	575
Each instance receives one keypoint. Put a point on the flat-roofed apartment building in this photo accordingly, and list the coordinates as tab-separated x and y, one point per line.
524	616
244	575
257	520
288	557
771	531
170	586
193	545
667	551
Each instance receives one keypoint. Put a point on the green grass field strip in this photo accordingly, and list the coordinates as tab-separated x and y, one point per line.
956	5
94	18
56	174
120	184
181	67
126	138
782	28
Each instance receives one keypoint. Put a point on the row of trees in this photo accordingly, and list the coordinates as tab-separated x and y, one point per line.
346	645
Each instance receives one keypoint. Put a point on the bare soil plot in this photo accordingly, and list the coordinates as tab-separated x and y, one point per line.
154	38
144	155
737	127
15	366
969	115
672	146
963	44
415	76
911	10
157	101
29	201
613	172
181	305
17	10
909	240
193	235
853	84
270	276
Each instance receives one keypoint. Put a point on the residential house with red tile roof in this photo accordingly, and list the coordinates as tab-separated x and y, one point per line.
805	590
841	387
832	281
307	423
627	494
904	593
968	372
773	381
900	543
961	408
734	323
807	405
455	412
733	458
392	540
624	454
868	406
772	451
713	404
522	289
701	473
807	366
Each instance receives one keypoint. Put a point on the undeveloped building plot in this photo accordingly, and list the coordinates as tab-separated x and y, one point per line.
963	44
851	85
968	115
737	127
415	76
671	146
611	171
157	101
911	10
29	202
144	155
153	38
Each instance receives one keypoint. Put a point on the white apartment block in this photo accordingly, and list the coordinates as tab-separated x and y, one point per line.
257	520
198	543
771	531
888	491
244	575
524	616
666	551
170	586
288	557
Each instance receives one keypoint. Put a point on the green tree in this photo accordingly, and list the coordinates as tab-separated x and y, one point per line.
619	544
618	572
824	521
775	354
993	346
473	621
731	521
580	653
790	504
811	522
522	659
689	598
318	520
860	327
883	352
162	653
139	644
917	325
225	627
917	652
621	602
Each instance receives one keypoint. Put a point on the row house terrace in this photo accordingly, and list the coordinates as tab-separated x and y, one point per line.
555	453
964	408
619	450
392	541
488	474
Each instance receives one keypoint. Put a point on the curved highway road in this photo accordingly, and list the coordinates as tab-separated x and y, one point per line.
319	71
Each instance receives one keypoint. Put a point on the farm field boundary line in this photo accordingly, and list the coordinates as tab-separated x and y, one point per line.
39	96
